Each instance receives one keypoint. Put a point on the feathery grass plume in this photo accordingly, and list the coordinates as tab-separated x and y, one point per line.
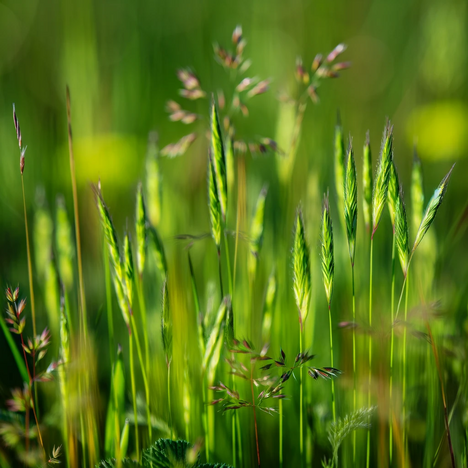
328	259
431	209
417	193
402	233
215	333
215	207
129	271
340	154
112	243
115	408
269	306
166	324
382	180
256	232
158	250
218	159
140	228
393	193
153	180
351	207
301	269
367	182
64	244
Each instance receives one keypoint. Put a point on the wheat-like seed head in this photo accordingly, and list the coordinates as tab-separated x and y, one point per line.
328	258
351	205
129	270
393	193
64	333
219	159
431	209
367	182
301	269
269	306
166	324
402	233
256	232
417	193
153	181
340	154
140	229
64	244
157	247
214	204
382	180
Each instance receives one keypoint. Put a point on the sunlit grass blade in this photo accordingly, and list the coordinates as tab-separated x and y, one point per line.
367	183
157	247
269	306
153	180
140	228
256	233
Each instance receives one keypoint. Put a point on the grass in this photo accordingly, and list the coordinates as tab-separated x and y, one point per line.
228	340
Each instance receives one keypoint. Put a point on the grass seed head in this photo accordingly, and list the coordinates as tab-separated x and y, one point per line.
367	182
166	324
301	269
140	229
328	258
219	159
402	233
256	232
382	179
431	209
351	207
129	270
393	193
214	204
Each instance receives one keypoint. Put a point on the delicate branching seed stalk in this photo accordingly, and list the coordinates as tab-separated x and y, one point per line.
367	183
340	155
269	306
153	180
351	209
256	233
328	273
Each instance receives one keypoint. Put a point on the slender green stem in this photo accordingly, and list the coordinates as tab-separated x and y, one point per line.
301	402
280	410
228	262
404	371
110	320
220	273
370	346
144	321
169	398
205	421
254	413
354	360
392	305
14	350
332	364
132	378
233	423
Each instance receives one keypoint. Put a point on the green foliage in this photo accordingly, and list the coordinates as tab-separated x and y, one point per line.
153	181
157	248
393	193
214	204
350	203
402	233
140	228
340	155
367	182
256	232
166	324
327	250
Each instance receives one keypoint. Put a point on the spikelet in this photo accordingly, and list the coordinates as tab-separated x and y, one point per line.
140	229
166	324
367	182
153	180
393	193
256	232
417	193
214	204
157	247
339	164
402	233
351	207
382	180
301	269
112	243
218	159
269	306
229	336
64	244
328	259
431	209
129	270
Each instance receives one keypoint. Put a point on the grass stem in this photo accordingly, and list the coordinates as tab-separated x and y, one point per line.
354	360
370	346
132	378
301	402
392	336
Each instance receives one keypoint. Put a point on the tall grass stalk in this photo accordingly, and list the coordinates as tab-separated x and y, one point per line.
134	400
166	330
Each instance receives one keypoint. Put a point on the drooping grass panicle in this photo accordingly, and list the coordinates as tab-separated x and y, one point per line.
327	250
382	179
340	154
431	209
402	232
140	228
214	204
367	182
393	193
64	244
301	269
351	206
417	193
218	159
129	269
256	232
269	306
166	324
157	247
153	180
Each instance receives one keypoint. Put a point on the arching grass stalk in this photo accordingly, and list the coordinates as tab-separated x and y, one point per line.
328	272
379	199
350	216
302	290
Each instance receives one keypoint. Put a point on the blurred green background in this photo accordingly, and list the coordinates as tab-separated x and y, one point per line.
119	58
